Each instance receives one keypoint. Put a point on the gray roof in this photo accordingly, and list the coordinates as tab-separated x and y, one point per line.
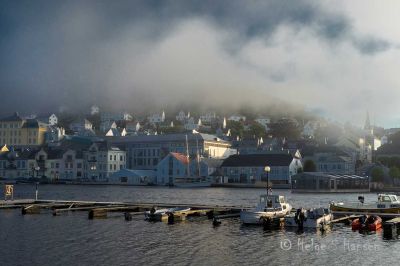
212	162
14	117
168	138
329	175
257	160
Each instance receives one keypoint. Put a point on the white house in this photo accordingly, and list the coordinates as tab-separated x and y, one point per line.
94	110
157	118
191	124
237	118
264	121
182	116
309	129
54	134
115	132
208	117
107	125
53	120
124	116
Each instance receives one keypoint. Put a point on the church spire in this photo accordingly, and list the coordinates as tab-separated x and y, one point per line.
367	125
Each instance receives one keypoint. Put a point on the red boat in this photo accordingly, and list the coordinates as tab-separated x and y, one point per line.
367	222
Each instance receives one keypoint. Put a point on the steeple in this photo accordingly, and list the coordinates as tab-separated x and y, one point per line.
367	125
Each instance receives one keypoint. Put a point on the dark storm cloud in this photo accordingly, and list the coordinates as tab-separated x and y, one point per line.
63	52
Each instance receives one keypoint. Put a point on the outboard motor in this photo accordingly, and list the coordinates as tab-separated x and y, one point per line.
299	218
361	199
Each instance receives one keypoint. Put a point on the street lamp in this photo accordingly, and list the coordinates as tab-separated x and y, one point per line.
267	169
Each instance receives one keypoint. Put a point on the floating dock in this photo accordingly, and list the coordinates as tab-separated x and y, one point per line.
100	210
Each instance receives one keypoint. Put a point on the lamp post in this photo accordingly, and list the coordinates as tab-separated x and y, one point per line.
267	169
37	183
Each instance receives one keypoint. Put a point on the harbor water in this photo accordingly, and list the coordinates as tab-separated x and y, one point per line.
72	239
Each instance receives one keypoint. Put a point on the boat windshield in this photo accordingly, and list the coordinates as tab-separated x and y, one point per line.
386	198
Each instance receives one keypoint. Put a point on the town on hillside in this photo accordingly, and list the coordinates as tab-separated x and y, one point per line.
204	149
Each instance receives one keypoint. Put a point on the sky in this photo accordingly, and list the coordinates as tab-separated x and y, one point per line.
337	59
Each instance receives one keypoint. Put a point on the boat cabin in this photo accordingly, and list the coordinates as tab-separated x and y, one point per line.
386	198
271	201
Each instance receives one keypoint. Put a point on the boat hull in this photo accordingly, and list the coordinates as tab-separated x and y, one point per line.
310	223
394	211
252	217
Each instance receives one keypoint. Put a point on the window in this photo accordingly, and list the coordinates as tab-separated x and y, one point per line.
79	165
110	157
120	158
115	157
110	167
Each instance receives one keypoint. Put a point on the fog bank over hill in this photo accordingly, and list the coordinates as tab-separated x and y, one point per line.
150	55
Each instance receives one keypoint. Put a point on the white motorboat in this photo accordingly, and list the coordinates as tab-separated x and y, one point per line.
387	205
312	218
269	207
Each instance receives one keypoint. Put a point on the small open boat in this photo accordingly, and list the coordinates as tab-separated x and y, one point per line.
367	222
312	218
155	214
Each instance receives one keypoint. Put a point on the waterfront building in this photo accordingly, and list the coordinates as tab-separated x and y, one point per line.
328	162
146	151
249	168
59	163
16	164
20	132
322	182
101	160
133	177
178	167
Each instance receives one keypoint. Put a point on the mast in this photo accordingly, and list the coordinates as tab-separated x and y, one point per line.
198	157
187	155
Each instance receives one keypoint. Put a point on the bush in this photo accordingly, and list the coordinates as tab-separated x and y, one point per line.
377	175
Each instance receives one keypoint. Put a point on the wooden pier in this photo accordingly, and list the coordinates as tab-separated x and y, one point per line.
100	210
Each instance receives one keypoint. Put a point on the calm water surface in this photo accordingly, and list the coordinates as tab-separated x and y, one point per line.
72	239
